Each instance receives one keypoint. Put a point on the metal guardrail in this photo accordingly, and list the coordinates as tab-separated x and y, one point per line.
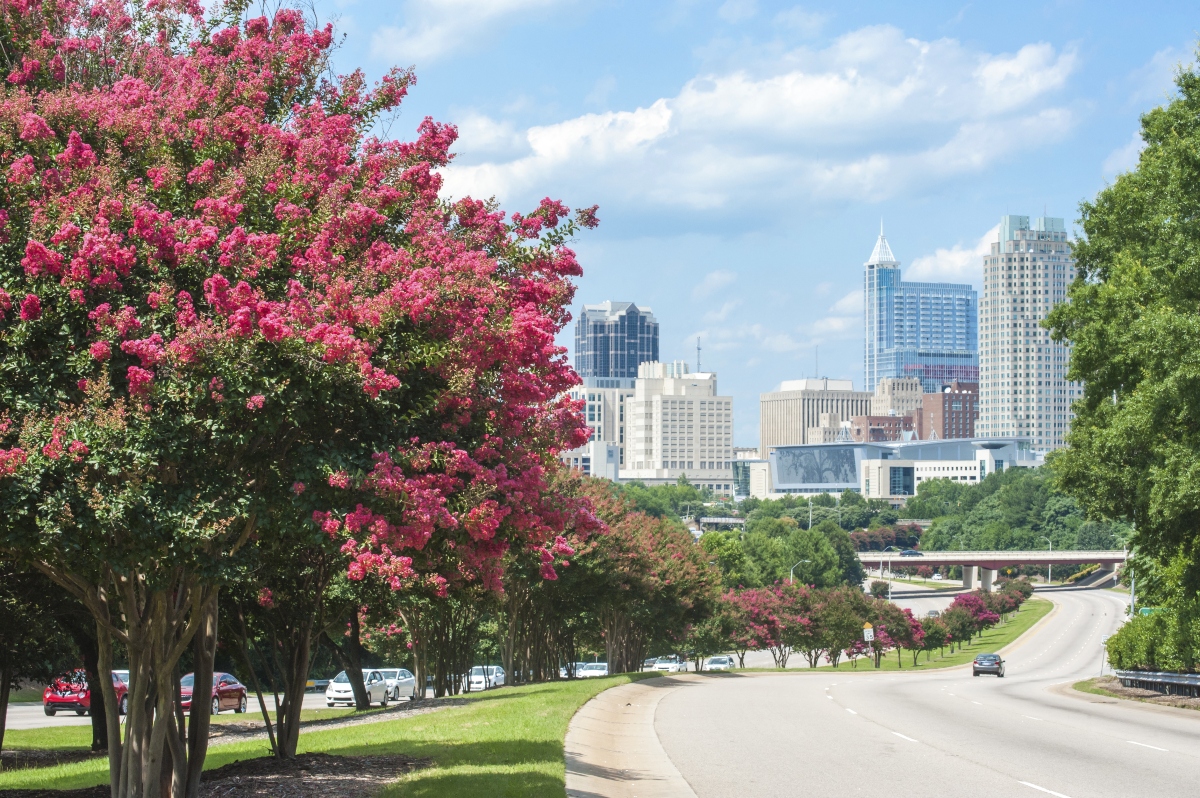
1162	682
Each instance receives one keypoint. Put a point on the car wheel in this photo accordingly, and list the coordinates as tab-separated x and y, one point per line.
384	701
51	711
328	703
123	707
974	673
216	706
241	710
81	712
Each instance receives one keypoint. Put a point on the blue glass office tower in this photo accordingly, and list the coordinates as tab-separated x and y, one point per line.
612	339
924	330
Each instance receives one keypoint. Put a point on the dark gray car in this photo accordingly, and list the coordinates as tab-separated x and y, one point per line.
988	663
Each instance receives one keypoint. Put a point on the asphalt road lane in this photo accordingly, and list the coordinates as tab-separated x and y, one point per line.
937	733
32	716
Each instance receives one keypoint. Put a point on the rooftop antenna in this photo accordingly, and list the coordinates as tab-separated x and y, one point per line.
697	353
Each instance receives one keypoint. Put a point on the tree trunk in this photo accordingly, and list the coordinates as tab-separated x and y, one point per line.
5	686
204	650
296	663
349	656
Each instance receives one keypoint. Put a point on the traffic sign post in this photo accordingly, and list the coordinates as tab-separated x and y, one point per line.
868	632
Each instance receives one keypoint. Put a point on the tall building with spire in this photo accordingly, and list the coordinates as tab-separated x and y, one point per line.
923	330
1024	390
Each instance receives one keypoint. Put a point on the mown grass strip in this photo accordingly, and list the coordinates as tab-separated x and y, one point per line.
506	742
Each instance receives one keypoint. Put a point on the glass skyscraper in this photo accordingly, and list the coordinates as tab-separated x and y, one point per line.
611	340
923	330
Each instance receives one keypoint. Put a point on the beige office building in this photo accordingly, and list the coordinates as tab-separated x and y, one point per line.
787	414
897	396
676	424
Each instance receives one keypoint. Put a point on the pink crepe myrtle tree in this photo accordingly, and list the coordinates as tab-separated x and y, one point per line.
227	310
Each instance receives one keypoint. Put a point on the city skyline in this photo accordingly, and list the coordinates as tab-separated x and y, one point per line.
742	153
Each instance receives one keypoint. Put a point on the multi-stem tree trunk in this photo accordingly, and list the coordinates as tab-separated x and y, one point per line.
349	655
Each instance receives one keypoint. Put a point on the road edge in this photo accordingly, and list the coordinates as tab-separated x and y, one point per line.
612	750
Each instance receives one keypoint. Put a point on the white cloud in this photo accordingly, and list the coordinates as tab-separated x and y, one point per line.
804	22
958	264
870	116
850	303
1154	81
1125	158
737	10
715	316
434	28
712	282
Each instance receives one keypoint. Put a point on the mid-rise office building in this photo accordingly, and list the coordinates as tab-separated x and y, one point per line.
789	412
678	425
613	338
878	429
1023	386
922	330
897	396
603	401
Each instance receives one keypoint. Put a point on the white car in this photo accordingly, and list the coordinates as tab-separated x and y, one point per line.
669	664
721	663
592	669
576	667
482	677
340	692
399	681
937	577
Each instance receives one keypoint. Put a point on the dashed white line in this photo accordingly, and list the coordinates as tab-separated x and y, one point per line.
903	737
829	697
1031	717
1143	745
851	711
1043	789
976	703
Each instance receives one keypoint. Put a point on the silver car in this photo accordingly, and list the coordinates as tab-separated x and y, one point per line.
721	663
670	664
400	682
482	677
593	669
340	692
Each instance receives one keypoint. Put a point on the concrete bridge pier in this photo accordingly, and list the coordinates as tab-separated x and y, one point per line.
1109	568
969	577
986	577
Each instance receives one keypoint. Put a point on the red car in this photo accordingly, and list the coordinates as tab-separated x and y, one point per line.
227	692
70	692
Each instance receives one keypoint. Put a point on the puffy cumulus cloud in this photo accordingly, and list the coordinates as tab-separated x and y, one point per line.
713	282
870	116
437	27
958	264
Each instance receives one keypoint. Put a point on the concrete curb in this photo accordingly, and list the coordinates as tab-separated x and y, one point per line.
612	750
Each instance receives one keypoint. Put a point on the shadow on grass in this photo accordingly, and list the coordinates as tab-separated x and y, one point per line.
485	783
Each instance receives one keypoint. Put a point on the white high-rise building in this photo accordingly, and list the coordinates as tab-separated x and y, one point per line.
1023	389
676	424
604	410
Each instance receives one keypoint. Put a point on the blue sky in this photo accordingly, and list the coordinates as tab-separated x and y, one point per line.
743	152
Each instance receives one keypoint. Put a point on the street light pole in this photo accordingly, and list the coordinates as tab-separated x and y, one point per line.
1049	566
792	572
890	572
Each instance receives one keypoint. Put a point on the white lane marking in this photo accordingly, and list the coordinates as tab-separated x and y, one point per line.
903	737
1043	789
1143	745
851	711
1031	717
976	703
829	697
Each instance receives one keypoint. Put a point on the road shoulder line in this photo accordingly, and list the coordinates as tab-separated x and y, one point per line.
612	749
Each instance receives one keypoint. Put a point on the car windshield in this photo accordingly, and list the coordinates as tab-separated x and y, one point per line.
596	666
987	658
341	678
187	681
477	670
389	674
666	659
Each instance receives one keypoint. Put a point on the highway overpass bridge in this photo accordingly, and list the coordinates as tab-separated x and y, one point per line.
986	563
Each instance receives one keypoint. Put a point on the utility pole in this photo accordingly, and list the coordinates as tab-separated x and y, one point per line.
1049	566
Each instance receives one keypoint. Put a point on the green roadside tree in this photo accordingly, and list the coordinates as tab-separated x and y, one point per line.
1134	324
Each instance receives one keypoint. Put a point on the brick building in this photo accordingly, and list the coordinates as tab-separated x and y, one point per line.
872	429
949	414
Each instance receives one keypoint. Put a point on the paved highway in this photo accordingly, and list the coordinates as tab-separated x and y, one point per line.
938	733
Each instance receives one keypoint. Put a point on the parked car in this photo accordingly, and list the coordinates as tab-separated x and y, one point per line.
482	677
937	577
400	682
932	614
648	662
316	685
227	693
721	663
70	693
340	692
911	553
669	664
575	668
988	663
592	669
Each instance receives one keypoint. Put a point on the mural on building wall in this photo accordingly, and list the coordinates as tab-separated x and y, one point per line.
832	465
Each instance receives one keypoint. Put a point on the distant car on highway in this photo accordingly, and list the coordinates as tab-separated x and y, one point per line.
911	553
721	663
70	693
669	664
937	577
988	663
932	614
227	693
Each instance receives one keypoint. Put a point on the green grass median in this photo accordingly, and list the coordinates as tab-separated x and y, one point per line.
506	742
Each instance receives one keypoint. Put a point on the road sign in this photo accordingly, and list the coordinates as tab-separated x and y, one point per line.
868	632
